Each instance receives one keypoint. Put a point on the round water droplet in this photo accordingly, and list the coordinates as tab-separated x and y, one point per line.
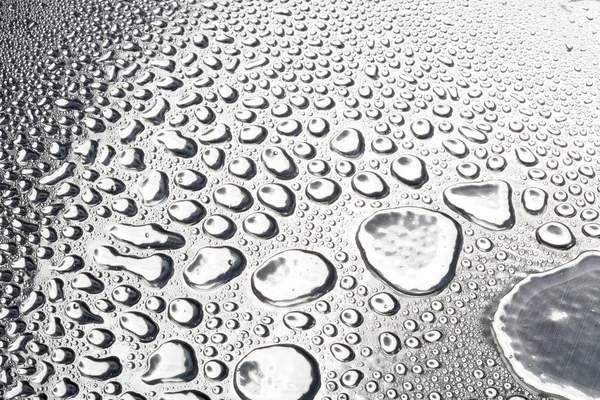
293	277
277	372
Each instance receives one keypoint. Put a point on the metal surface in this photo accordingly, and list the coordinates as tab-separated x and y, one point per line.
284	200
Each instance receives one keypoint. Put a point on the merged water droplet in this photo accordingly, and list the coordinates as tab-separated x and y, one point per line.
557	307
487	203
212	267
150	236
140	325
412	249
173	362
155	270
154	189
100	368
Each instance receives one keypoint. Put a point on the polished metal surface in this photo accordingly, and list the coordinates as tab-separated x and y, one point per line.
298	200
